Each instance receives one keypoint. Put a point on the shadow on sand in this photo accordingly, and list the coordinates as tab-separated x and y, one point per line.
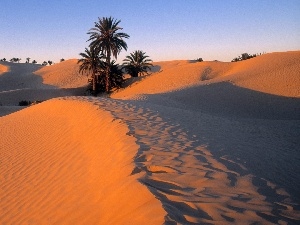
228	100
220	166
249	132
20	83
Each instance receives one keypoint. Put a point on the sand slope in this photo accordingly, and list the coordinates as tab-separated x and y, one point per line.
73	170
192	143
273	73
63	75
31	82
247	89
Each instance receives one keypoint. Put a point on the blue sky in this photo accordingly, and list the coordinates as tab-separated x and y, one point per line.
164	29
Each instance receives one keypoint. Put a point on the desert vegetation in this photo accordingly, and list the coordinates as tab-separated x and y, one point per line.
106	43
244	56
18	60
137	63
99	59
15	60
28	103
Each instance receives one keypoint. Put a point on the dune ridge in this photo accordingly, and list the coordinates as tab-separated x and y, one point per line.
69	171
31	82
195	185
273	73
191	143
52	75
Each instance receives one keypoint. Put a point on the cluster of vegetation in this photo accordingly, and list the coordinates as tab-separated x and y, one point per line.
244	56
199	60
99	58
27	103
24	103
45	63
15	60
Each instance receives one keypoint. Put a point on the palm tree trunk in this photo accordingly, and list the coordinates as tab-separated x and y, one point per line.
94	85
107	72
94	82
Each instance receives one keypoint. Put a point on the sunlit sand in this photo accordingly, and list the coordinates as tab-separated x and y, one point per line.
191	143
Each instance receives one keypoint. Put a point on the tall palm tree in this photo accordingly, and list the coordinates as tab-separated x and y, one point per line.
27	59
106	38
137	63
91	61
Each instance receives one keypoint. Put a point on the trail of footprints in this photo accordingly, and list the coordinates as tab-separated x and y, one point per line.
192	185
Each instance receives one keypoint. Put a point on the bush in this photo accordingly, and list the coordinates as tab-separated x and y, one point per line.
24	103
244	56
27	103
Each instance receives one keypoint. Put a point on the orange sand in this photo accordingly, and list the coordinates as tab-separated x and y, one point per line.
68	162
3	68
63	75
192	143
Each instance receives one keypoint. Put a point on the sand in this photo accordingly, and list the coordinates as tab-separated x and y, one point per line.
32	82
191	143
63	75
3	69
68	171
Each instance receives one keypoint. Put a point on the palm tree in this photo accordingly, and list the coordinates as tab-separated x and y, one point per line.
106	38
91	61
34	61
44	63
27	60
137	63
115	77
50	62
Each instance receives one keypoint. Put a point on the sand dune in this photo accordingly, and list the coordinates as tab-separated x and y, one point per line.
63	75
31	82
73	170
274	73
192	143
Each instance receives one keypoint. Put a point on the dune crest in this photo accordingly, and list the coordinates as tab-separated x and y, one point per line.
68	163
195	185
273	73
21	83
63	75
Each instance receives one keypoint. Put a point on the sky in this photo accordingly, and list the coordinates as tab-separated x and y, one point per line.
164	29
